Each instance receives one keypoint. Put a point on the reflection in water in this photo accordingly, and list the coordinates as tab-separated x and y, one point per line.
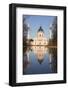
39	60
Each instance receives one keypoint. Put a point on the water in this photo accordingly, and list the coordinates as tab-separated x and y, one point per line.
39	60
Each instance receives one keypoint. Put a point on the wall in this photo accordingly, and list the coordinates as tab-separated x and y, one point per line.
4	44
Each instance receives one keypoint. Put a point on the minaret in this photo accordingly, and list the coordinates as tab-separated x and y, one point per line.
50	31
28	36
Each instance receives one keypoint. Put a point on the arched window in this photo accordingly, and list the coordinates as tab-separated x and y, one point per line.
35	42
40	43
40	35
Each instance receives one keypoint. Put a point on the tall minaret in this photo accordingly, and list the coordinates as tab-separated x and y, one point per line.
28	36
50	31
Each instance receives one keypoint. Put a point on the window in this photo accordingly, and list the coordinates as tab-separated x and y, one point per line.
40	43
40	35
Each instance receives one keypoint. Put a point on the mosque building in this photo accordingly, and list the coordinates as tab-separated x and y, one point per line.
40	39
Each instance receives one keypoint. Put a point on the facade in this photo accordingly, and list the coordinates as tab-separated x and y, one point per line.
40	38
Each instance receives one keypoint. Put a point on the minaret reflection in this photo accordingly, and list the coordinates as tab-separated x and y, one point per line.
26	61
40	52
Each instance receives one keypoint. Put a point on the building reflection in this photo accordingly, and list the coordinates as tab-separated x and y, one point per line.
40	53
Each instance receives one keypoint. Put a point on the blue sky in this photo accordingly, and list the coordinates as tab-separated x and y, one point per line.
35	22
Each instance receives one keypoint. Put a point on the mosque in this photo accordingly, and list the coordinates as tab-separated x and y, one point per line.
40	39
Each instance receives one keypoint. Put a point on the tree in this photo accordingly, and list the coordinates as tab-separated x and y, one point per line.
25	31
54	31
53	40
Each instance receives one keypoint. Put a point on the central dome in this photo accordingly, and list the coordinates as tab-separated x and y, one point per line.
40	29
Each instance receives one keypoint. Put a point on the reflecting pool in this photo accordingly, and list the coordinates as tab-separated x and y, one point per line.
39	60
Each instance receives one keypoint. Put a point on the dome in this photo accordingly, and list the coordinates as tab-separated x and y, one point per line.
40	29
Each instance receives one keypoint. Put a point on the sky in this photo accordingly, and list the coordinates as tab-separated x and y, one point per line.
35	21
